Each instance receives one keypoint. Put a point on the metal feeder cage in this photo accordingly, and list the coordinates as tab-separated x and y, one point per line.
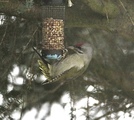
53	31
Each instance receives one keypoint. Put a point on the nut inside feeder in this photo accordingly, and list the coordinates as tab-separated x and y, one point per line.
53	32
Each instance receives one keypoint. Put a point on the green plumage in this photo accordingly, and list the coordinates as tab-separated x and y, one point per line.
45	70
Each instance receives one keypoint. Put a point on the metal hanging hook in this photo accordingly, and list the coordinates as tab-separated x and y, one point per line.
70	4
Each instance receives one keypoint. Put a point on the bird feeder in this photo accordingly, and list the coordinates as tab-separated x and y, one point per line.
53	32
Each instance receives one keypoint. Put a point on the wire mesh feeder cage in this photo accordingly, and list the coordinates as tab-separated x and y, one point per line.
53	32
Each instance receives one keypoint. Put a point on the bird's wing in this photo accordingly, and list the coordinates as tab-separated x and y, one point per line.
44	61
65	76
45	69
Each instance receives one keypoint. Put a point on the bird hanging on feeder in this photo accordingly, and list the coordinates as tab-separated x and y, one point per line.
71	66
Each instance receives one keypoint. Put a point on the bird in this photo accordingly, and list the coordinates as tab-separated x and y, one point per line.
71	66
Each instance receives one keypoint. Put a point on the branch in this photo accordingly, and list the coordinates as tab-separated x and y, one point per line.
117	110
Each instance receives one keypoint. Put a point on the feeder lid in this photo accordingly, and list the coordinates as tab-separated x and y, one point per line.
56	12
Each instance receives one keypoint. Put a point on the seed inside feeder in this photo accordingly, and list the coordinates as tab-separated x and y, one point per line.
53	34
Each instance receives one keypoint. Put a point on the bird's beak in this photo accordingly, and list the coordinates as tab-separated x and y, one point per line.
76	49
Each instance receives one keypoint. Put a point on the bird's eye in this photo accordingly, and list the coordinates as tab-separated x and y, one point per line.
78	47
79	50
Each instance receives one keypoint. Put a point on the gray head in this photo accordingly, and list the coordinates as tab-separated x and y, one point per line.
85	49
